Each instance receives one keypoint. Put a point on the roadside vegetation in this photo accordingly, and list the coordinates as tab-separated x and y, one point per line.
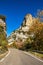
35	42
3	41
38	55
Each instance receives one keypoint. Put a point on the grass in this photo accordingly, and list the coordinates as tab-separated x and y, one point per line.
3	53
39	55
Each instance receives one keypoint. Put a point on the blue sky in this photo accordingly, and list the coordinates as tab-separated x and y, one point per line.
15	10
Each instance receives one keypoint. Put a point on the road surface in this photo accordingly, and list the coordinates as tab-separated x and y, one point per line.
17	57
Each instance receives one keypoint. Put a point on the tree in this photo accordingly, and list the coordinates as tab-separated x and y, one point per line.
3	39
37	29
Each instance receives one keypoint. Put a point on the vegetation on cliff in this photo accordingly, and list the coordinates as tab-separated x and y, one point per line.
3	40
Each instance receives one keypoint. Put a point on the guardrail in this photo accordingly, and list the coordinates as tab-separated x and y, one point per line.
41	52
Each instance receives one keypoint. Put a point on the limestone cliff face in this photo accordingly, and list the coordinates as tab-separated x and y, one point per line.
28	19
27	22
21	33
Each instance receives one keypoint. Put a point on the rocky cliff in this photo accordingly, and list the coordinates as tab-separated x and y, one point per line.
22	32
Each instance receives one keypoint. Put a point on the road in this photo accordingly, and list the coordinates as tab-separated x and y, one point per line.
17	57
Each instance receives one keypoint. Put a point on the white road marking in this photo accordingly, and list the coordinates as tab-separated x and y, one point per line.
33	56
5	57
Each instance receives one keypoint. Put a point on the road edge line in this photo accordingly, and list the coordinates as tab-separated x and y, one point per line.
5	57
33	56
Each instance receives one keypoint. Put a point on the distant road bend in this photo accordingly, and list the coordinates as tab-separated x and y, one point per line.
17	57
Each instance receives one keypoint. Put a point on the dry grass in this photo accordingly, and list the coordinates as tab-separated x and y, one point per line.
39	55
3	55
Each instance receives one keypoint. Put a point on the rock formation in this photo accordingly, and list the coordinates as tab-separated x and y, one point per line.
21	33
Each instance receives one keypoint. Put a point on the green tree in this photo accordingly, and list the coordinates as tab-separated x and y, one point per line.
3	39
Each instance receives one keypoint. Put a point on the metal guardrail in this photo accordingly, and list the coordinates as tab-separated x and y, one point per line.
41	52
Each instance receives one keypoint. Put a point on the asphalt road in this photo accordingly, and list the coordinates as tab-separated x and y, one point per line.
17	57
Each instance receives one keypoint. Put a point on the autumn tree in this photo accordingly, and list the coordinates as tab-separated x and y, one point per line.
37	30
